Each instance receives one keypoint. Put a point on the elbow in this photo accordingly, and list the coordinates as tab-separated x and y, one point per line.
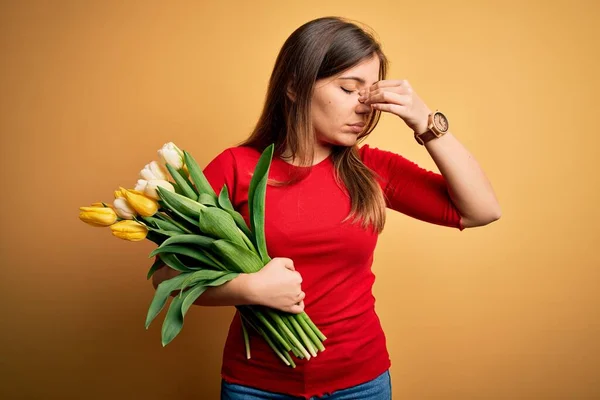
494	213
482	219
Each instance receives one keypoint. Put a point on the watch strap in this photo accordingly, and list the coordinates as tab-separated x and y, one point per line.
425	136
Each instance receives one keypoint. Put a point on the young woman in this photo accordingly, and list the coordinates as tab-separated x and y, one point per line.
326	206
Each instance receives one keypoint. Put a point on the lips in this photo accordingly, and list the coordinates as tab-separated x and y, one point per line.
357	128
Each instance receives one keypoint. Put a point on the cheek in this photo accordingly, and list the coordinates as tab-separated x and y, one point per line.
330	113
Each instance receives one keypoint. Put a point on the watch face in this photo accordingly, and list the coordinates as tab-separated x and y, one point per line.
440	121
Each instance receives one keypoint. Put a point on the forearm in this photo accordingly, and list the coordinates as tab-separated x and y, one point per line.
469	188
237	291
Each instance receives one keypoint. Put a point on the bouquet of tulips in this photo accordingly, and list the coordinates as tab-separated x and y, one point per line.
201	235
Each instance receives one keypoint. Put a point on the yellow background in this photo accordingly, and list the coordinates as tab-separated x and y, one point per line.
91	89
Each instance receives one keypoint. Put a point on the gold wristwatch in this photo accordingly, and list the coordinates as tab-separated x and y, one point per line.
437	126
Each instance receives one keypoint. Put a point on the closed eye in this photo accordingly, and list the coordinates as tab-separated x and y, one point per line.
347	91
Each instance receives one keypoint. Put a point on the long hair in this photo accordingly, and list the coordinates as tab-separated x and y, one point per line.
320	48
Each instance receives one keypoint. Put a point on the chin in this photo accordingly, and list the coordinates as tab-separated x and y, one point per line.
347	139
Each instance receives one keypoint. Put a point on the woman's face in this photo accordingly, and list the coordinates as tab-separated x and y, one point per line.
335	106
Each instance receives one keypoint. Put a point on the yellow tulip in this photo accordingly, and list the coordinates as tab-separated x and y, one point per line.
143	205
101	204
118	193
129	230
97	216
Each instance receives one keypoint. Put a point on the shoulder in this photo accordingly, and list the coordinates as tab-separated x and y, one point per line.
241	155
374	157
237	156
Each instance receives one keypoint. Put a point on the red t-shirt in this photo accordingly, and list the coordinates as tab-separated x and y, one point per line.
303	223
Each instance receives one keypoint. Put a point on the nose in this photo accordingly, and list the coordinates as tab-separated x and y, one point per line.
362	108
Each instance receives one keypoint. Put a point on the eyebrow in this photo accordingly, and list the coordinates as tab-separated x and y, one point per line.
354	78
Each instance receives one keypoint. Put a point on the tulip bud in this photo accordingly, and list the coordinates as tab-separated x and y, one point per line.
97	216
172	155
119	194
129	230
153	170
101	204
151	186
142	204
141	185
123	209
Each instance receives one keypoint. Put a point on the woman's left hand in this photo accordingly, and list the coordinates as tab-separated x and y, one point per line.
399	98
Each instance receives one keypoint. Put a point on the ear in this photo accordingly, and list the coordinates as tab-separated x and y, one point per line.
290	92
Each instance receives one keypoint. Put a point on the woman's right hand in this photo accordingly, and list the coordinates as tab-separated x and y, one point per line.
277	285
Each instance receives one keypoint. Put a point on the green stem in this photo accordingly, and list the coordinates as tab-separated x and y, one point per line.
246	339
309	332
303	336
249	317
272	330
166	217
289	333
287	360
313	326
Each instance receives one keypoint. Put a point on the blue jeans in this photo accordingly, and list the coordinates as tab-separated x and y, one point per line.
379	388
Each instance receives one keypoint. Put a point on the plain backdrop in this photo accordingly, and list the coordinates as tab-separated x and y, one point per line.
90	90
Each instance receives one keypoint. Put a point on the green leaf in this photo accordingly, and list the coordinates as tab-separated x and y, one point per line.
161	295
198	240
176	187
188	225
156	265
202	275
224	201
163	232
184	176
207	200
160	222
256	201
180	305
173	321
226	205
219	224
191	296
167	225
194	293
185	208
167	218
187	190
172	261
198	177
151	221
185	251
237	258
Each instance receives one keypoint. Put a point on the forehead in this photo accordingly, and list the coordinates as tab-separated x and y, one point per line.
364	74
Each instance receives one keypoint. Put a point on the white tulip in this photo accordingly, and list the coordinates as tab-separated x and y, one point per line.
153	170
141	185
123	209
172	155
151	186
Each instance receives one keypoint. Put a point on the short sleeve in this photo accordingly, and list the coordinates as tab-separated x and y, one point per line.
221	171
411	189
